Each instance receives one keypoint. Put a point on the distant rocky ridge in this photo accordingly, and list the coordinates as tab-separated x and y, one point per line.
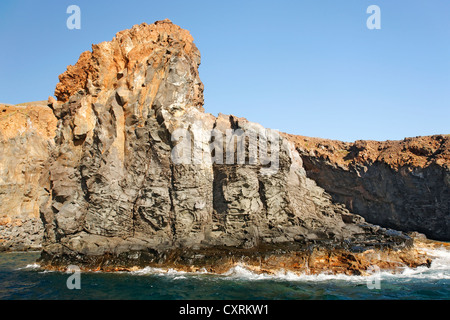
111	197
404	185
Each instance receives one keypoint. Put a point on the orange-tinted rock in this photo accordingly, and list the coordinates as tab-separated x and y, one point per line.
419	152
151	44
313	261
26	139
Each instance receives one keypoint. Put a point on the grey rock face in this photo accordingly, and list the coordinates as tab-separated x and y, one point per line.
409	199
23	235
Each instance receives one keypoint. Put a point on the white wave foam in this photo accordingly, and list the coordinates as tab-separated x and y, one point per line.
30	266
167	272
242	273
157	271
439	269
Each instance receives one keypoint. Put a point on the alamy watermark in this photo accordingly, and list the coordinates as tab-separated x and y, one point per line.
200	146
74	20
74	281
374	21
374	279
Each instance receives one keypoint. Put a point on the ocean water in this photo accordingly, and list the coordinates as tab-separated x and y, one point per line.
21	279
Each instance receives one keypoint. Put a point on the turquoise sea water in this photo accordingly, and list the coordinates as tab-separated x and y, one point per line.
21	279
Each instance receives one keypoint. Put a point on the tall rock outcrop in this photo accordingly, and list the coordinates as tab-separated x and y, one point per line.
404	185
141	175
26	139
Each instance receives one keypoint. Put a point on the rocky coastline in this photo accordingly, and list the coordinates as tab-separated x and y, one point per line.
128	171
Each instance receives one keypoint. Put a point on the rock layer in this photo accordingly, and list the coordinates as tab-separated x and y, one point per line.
312	261
404	185
119	198
26	138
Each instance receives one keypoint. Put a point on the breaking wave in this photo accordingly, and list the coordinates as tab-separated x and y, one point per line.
439	270
30	267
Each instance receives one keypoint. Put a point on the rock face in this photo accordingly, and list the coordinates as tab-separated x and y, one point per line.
139	173
404	185
26	138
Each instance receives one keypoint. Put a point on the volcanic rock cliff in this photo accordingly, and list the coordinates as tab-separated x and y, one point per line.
404	185
118	196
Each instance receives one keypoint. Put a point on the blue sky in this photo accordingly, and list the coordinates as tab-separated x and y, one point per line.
308	67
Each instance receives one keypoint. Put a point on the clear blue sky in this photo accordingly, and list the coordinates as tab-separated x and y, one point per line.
305	67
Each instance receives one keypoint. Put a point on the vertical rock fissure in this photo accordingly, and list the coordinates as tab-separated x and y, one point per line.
172	213
262	197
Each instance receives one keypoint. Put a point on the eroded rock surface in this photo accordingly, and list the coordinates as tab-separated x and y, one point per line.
26	138
119	199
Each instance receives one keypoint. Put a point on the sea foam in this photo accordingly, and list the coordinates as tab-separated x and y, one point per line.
30	266
439	269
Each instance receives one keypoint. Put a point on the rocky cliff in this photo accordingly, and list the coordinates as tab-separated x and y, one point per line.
140	175
404	185
26	139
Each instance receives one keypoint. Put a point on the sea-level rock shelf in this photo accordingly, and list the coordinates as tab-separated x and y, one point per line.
114	195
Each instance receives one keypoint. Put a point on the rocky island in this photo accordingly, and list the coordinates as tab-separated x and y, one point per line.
126	170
